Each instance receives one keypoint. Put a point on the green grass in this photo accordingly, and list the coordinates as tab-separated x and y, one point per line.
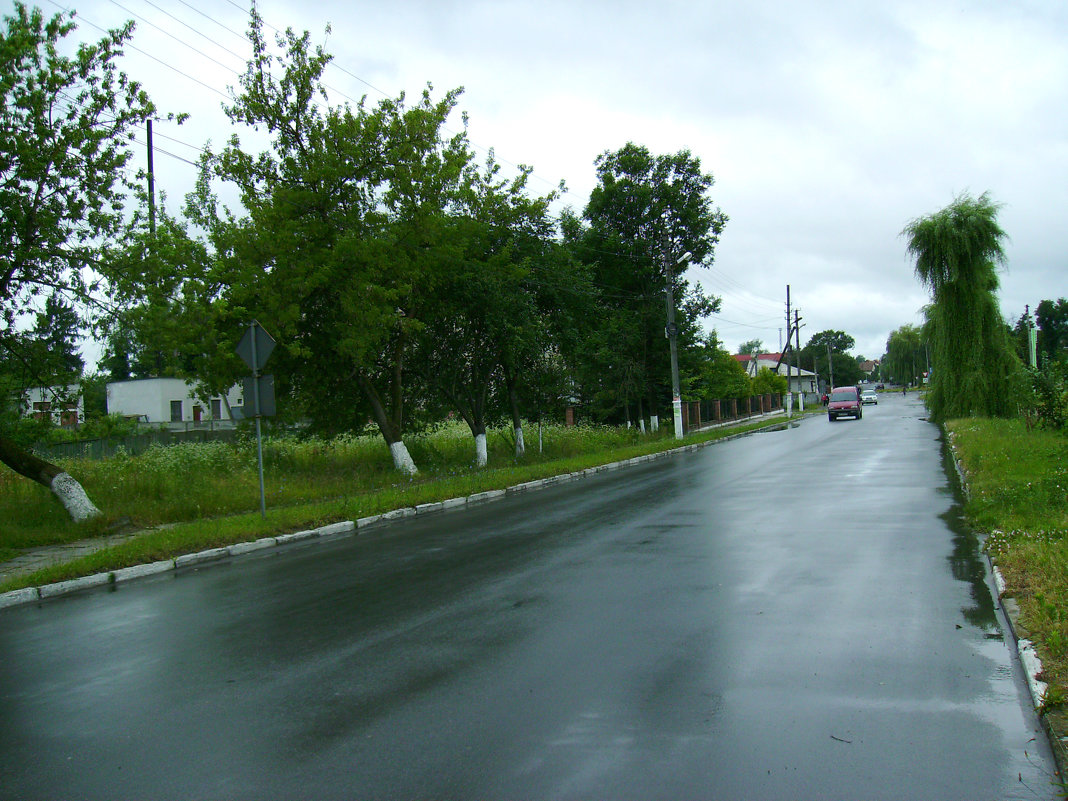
207	495
1018	483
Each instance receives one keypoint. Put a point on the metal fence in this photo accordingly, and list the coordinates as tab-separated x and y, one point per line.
133	445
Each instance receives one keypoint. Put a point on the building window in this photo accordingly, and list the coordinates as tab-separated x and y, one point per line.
176	411
216	409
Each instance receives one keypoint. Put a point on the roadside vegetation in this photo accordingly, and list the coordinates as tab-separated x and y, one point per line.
1017	479
195	496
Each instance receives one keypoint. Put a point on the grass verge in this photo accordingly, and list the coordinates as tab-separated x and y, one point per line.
364	496
1018	496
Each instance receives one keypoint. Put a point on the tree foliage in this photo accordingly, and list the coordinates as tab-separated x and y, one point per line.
905	356
644	216
64	148
957	251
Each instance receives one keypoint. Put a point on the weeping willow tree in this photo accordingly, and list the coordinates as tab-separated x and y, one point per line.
957	252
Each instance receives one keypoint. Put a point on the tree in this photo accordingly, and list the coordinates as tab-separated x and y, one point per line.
721	376
1052	319
63	158
845	368
644	216
752	347
957	251
767	382
344	239
904	349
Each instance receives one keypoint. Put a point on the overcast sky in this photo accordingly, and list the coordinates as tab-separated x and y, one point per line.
827	125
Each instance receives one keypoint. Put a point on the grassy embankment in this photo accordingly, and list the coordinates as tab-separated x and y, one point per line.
1018	484
188	498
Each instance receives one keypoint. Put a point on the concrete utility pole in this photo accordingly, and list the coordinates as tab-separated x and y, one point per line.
671	332
789	372
797	358
830	366
151	185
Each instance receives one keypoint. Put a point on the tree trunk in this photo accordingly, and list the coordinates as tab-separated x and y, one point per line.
402	460
62	485
517	422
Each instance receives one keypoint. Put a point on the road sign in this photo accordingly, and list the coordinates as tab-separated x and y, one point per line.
255	347
259	396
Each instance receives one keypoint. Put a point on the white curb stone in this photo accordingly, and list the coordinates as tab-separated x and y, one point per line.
488	495
454	503
1032	666
137	571
239	548
427	508
363	522
344	527
397	514
63	587
297	536
16	597
209	555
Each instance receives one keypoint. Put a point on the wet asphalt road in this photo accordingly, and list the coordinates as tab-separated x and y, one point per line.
792	615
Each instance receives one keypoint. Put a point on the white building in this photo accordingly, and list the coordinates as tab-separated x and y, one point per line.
805	382
63	404
170	402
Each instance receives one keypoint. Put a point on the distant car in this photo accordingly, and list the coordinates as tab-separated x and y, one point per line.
844	401
869	396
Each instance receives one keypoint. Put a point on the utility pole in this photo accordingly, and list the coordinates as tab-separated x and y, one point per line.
830	367
789	373
797	357
151	185
672	332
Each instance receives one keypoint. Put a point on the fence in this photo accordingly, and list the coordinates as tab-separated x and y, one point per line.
135	444
700	413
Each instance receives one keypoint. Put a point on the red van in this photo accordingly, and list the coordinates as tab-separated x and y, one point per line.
844	400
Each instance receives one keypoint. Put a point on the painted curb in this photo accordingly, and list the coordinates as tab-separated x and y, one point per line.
15	597
74	585
239	548
140	571
210	555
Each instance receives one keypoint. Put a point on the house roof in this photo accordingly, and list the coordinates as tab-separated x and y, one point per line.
771	361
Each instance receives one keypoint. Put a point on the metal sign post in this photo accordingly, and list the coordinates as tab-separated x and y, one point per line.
255	349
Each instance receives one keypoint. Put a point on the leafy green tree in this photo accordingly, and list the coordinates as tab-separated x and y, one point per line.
344	239
904	355
767	382
645	214
721	376
485	328
957	250
64	150
1052	320
752	347
814	356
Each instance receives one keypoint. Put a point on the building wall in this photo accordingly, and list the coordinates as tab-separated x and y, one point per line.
166	400
41	401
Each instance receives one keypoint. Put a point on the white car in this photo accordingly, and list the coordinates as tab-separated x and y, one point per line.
869	396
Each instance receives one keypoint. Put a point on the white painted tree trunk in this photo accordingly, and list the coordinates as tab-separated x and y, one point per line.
481	457
402	460
520	446
73	497
641	425
654	423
